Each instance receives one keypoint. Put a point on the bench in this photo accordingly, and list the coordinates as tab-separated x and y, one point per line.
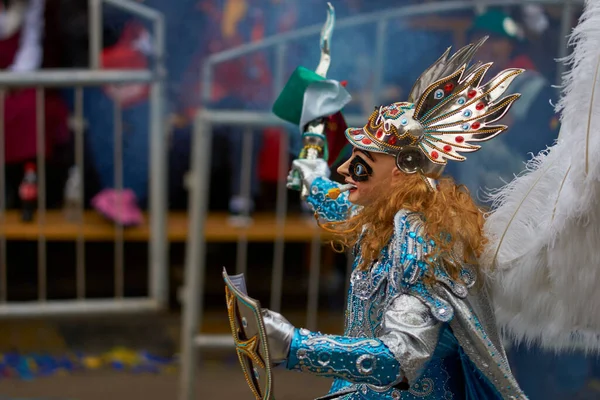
97	229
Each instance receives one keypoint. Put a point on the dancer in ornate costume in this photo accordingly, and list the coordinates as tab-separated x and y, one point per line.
418	322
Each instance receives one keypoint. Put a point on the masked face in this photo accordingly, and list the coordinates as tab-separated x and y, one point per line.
369	172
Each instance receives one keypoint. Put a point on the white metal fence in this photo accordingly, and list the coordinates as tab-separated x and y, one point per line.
78	79
200	155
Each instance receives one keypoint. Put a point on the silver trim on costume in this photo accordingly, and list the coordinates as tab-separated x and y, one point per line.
360	361
411	333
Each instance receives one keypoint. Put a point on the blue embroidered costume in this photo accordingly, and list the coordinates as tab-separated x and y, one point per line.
412	330
399	340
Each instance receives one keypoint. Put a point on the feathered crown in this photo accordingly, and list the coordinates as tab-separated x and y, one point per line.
448	112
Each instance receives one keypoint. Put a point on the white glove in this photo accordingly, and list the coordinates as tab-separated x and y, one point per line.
279	335
309	170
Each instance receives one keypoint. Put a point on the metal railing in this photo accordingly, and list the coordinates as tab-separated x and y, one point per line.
78	79
195	264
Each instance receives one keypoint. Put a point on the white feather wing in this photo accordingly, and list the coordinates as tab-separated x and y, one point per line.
544	231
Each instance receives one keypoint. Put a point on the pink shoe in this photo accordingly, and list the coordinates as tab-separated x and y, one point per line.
121	209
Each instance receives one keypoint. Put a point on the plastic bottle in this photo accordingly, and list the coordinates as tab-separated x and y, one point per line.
72	196
28	193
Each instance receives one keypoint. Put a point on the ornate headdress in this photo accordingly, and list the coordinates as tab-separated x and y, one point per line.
447	112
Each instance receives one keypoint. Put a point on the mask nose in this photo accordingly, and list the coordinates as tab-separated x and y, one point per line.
343	169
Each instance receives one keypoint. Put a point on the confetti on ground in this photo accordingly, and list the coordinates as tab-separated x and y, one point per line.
29	366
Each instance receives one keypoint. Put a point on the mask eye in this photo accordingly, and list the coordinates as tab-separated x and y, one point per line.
360	170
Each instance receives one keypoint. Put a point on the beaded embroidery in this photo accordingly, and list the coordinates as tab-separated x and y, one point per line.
355	359
326	208
399	269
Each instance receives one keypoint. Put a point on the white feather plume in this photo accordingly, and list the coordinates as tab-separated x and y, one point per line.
544	232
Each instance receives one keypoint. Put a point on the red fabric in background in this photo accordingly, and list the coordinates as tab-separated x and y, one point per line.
21	124
124	56
522	61
268	160
8	49
20	119
336	140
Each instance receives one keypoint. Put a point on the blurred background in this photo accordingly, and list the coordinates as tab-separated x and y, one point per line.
121	201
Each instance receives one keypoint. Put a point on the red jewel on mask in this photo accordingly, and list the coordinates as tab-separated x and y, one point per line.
447	148
366	141
392	140
472	93
460	139
434	155
379	133
448	87
480	106
475	125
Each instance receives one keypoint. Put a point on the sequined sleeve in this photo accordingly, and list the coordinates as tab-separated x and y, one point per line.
356	360
326	208
408	339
